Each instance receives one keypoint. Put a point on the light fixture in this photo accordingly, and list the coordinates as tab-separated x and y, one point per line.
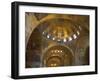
64	40
61	51
58	40
69	38
43	33
53	38
78	32
48	36
74	36
80	28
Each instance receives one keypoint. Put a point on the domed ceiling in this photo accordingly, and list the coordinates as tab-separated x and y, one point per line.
56	40
61	30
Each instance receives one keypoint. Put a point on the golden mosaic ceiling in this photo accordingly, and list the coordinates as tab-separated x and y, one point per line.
56	40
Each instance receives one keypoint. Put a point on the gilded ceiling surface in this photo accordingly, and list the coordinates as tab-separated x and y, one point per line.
55	40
